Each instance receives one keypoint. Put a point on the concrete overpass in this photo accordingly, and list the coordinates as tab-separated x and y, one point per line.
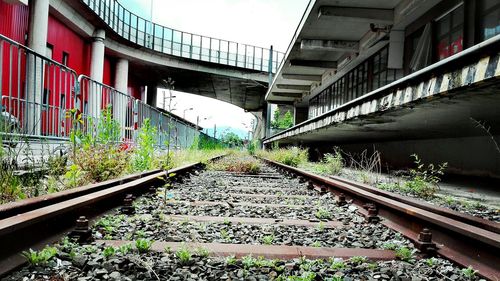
373	75
228	71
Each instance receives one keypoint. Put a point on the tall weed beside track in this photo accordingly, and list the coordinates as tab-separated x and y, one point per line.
293	156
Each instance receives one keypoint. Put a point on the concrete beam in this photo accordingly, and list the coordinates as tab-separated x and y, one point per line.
287	94
314	63
349	14
329	45
294	87
304	77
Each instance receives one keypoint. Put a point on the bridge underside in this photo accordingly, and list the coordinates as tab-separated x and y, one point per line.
248	94
451	115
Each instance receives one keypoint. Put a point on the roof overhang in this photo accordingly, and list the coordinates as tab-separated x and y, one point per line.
333	35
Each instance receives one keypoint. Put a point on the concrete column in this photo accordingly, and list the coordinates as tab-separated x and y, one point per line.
120	100
37	41
96	73
97	57
121	77
38	26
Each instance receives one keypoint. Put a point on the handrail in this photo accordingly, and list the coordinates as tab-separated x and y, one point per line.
475	50
183	44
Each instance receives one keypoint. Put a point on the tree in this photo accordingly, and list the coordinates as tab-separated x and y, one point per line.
282	122
232	140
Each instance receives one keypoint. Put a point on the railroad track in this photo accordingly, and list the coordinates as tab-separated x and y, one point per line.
281	213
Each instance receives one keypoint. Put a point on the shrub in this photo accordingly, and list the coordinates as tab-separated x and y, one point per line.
143	154
293	156
102	162
423	181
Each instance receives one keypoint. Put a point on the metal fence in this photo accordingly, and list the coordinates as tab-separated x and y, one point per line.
178	43
36	93
41	98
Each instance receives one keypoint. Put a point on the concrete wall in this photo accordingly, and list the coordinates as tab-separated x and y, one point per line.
476	156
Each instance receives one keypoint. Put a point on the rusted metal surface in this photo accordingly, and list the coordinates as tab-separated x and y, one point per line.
37	227
287	196
214	203
22	206
479	222
266	251
246	220
457	240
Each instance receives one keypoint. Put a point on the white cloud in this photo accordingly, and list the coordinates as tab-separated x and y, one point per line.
255	22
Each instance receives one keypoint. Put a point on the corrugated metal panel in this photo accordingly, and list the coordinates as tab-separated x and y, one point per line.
14	21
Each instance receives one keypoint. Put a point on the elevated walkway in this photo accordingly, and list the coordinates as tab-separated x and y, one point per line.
224	70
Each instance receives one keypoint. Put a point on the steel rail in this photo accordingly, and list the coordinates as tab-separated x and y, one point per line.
456	238
33	223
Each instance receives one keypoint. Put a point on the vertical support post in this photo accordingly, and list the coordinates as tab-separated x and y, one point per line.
267	123
136	117
37	41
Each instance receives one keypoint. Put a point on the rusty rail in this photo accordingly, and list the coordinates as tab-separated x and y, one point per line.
457	237
36	222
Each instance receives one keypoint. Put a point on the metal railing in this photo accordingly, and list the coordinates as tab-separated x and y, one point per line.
178	43
36	93
40	99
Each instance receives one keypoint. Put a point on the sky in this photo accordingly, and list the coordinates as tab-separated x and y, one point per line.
255	22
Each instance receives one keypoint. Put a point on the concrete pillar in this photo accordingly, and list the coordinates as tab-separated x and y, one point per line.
97	56
38	26
120	100
121	77
37	41
96	73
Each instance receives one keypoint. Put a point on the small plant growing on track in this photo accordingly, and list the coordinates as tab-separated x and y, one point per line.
267	239
337	264
468	272
357	260
323	214
40	257
227	221
331	164
389	246
237	164
321	226
335	278
404	254
231	260
184	255
431	261
224	234
248	261
316	244
424	180
202	252
305	276
74	176
143	245
108	252
125	249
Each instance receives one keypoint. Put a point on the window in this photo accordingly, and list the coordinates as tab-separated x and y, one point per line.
449	33
368	75
65	58
490	18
